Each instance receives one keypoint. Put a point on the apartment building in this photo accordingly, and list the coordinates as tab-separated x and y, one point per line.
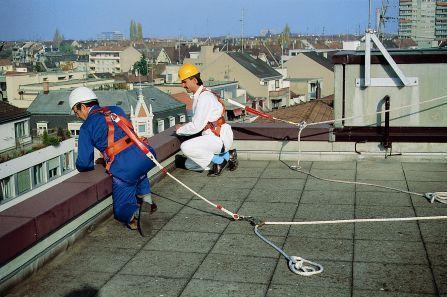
113	59
425	21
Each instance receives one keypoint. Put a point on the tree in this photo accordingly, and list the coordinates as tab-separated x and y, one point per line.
285	36
139	32
58	37
132	30
140	67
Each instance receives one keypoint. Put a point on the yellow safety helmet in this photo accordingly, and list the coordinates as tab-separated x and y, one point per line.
186	71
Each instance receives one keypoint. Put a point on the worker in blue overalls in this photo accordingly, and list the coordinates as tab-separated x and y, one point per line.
125	162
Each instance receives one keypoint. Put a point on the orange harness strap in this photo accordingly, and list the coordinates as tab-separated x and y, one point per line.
114	147
216	125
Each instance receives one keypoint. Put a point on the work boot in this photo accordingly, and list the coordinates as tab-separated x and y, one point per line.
144	219
133	225
217	169
180	161
233	162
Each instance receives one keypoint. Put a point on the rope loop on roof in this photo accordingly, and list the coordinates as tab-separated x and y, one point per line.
436	196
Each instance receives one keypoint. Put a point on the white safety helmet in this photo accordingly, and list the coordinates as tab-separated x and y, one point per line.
81	94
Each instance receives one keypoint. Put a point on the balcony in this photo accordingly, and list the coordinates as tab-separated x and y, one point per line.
196	252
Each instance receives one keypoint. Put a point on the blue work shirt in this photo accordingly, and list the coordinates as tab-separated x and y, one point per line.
129	165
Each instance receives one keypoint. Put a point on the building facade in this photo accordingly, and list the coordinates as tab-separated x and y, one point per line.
113	59
425	21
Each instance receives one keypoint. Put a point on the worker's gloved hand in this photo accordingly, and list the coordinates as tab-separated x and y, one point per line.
100	161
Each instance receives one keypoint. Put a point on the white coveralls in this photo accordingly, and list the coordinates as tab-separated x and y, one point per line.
201	150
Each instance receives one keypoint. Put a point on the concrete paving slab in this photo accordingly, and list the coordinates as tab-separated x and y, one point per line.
339	231
383	293
311	212
274	195
230	182
317	249
305	165
246	228
137	285
372	211
334	165
92	259
282	173
341	174
327	197
402	231
224	194
427	186
163	264
440	273
197	223
280	184
266	210
253	163
314	184
247	245
243	172
207	288
393	277
169	204
384	165
297	290
58	283
200	207
434	231
397	184
175	191
336	274
382	198
420	166
405	252
419	201
365	173
180	241
436	253
229	268
431	176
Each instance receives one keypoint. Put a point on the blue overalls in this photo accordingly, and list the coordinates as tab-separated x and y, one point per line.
129	168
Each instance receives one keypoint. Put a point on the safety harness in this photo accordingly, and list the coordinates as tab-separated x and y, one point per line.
216	126
115	147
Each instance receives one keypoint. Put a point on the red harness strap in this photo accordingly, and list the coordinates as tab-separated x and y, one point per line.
216	125
114	147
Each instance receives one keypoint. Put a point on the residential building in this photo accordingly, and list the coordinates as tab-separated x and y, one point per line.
29	174
23	87
27	53
5	66
14	127
266	87
425	21
311	75
51	110
113	59
111	36
427	68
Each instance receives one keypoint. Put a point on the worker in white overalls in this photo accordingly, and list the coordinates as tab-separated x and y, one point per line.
210	151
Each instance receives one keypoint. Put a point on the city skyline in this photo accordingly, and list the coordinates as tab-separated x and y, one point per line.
83	19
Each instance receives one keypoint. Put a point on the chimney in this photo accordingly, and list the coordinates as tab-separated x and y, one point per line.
46	87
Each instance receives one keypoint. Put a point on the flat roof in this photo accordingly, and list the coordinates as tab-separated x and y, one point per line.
194	251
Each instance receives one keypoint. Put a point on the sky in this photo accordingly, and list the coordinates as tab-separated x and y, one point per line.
86	19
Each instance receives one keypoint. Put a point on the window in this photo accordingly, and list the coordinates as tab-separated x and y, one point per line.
141	128
171	121
7	188
38	177
67	161
53	167
276	84
20	129
182	118
41	127
169	77
23	181
161	126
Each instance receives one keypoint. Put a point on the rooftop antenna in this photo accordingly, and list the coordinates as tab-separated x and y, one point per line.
242	30
367	81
